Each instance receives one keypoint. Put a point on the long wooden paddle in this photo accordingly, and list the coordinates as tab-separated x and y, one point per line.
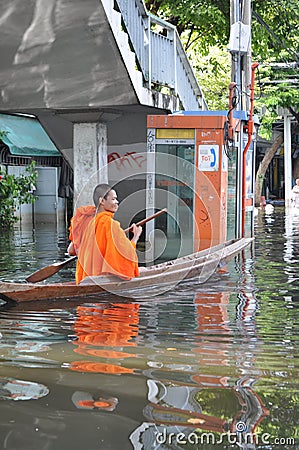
48	271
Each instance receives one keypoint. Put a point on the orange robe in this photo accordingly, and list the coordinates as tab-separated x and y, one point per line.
105	249
79	222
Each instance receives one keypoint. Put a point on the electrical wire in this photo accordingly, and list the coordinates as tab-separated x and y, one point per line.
283	45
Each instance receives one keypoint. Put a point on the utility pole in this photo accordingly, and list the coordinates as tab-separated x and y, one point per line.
240	49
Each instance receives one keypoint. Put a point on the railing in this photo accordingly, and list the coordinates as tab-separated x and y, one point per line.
159	54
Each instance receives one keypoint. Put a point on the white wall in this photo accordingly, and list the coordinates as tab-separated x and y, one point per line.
48	208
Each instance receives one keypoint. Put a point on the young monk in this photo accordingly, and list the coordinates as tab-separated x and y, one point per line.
104	247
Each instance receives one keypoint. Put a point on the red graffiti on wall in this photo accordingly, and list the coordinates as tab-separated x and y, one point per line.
129	159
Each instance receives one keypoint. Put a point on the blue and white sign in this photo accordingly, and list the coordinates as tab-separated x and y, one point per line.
208	157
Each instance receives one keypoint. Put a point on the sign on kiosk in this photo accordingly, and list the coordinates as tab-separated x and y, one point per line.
208	158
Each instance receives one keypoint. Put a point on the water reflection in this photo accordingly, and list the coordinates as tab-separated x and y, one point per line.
100	330
12	389
217	360
176	405
291	250
24	251
84	400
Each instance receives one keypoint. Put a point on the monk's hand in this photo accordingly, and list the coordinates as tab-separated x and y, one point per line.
71	249
136	230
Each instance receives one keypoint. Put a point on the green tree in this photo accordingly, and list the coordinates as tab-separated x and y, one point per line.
14	192
213	74
205	22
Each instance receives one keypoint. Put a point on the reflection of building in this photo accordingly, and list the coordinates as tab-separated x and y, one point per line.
212	318
253	410
174	414
185	408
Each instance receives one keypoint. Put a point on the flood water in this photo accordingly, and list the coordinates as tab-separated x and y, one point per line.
210	366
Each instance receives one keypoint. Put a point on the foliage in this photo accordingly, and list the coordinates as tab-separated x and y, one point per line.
205	22
277	91
15	191
275	36
213	74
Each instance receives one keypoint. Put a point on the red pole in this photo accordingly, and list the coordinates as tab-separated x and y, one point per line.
250	129
231	106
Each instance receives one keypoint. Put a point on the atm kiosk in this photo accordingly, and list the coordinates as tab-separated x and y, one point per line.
193	170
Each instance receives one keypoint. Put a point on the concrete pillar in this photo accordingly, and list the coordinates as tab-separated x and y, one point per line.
287	158
90	160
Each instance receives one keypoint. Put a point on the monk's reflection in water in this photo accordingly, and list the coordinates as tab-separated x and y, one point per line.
108	327
98	327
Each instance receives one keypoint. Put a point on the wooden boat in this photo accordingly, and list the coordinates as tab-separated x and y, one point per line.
152	281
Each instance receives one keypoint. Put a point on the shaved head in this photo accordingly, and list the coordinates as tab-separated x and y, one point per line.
100	191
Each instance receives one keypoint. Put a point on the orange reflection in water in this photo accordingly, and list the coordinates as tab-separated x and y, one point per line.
112	326
212	318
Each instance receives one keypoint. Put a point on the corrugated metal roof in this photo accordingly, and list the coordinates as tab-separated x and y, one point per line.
26	137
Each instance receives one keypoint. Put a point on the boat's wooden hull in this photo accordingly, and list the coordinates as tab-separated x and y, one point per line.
152	281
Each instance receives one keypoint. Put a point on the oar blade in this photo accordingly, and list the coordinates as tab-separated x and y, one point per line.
42	274
48	271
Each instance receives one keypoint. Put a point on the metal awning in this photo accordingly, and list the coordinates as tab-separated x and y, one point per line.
26	137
